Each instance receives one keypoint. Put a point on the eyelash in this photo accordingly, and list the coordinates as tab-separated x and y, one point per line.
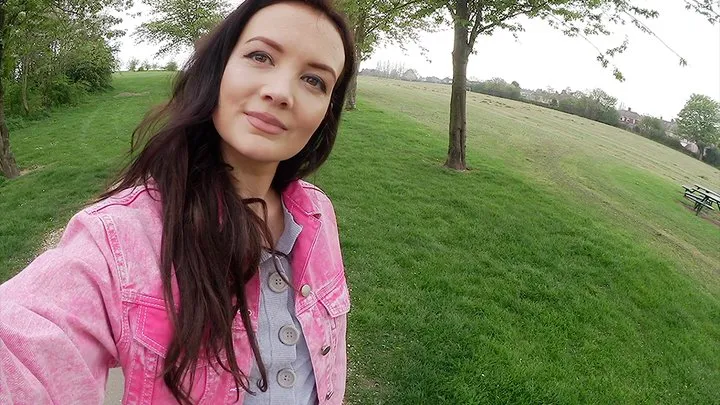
320	83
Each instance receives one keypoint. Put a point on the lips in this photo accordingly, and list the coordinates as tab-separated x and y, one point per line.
265	122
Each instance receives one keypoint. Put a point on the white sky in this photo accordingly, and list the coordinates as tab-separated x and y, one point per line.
655	82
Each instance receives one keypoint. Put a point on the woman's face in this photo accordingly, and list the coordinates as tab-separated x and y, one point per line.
276	87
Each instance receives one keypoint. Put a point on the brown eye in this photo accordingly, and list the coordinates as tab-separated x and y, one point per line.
316	82
259	57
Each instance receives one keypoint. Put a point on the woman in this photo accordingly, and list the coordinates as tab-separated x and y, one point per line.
212	220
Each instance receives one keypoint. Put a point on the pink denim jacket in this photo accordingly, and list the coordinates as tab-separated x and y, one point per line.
95	302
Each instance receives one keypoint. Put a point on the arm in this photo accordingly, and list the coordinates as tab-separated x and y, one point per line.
60	319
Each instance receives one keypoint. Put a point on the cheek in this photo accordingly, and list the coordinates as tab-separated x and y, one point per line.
314	118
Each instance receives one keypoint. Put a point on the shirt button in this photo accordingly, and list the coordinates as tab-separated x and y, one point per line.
329	395
289	335
286	378
276	283
325	350
305	290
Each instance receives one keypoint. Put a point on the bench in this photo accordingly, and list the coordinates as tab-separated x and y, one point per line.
699	202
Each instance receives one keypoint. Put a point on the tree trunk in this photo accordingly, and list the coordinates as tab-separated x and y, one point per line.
351	99
8	167
458	122
23	90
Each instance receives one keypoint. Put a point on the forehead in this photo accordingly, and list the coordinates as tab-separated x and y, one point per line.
300	30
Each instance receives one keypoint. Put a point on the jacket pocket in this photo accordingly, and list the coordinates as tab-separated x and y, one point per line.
336	305
152	337
336	301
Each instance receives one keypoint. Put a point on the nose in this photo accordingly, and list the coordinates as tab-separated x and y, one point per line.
279	92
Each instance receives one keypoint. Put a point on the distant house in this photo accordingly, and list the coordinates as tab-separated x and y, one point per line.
689	145
432	79
629	117
446	80
671	127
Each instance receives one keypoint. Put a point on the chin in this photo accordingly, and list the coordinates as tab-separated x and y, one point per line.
261	154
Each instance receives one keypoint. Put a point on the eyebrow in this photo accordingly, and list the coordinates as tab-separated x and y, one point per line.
279	48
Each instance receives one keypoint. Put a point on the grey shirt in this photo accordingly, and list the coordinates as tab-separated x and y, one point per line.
282	345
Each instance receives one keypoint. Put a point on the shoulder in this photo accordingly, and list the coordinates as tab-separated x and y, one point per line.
312	189
138	200
127	228
317	197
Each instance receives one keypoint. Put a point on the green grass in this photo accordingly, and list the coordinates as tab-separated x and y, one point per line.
563	268
70	157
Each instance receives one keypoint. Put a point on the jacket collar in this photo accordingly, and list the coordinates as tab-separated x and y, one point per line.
300	198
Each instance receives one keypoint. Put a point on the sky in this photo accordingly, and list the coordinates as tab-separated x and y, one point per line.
655	83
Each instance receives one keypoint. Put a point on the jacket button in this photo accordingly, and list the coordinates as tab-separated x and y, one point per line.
325	350
286	378
305	290
276	283
329	395
289	335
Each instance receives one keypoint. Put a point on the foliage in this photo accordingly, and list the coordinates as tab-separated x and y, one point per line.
497	87
388	69
91	64
652	127
177	24
54	51
133	64
712	156
595	105
699	120
171	66
575	18
375	22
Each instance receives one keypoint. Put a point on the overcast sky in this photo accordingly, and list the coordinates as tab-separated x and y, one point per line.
655	82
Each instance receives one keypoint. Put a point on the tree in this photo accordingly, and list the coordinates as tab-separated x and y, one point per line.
699	121
133	64
376	21
8	166
652	127
171	66
45	49
576	18
178	24
410	75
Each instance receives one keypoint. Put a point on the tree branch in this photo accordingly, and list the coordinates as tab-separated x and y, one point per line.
378	18
647	30
601	57
477	29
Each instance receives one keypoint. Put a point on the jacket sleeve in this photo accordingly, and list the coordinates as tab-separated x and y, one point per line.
60	319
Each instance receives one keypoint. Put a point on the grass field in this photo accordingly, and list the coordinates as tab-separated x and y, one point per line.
565	267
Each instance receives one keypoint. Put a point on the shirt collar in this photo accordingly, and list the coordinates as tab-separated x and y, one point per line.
287	240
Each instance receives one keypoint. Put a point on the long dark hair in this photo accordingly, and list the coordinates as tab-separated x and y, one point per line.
211	239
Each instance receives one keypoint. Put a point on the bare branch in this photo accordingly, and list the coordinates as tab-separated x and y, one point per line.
643	27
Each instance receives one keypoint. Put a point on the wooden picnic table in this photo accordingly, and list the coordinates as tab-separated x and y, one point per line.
707	191
702	196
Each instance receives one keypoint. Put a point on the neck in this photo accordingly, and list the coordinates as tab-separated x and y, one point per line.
253	179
